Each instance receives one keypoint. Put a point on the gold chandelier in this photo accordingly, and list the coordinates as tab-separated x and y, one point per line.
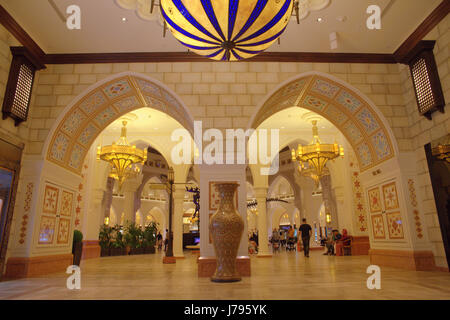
310	172
316	155
122	157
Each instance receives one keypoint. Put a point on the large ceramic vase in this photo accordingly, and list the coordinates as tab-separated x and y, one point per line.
226	227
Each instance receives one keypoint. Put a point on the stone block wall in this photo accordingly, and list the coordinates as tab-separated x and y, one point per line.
422	131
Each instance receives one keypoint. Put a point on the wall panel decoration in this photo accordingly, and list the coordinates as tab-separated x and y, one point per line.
378	226
390	196
374	200
26	212
51	197
47	230
395	225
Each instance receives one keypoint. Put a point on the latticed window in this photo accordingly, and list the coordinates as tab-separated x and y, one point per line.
427	85
20	83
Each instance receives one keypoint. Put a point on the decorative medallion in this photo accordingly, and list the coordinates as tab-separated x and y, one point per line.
390	196
395	225
374	200
50	204
378	227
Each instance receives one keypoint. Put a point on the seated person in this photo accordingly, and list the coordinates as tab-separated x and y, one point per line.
331	241
345	239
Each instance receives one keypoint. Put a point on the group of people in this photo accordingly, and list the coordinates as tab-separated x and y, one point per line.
160	242
283	238
335	239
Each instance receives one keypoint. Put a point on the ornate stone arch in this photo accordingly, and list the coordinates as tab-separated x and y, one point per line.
83	120
364	126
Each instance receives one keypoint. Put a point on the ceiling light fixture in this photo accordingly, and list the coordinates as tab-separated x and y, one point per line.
316	155
227	30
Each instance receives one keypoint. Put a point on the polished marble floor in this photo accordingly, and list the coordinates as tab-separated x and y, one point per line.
286	276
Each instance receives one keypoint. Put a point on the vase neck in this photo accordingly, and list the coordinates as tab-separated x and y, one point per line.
226	193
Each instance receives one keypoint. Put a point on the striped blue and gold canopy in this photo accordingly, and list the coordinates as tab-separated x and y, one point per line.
227	30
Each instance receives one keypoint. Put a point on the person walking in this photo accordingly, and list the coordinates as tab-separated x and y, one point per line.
305	231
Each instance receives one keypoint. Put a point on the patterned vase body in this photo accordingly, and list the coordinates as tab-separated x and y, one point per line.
226	227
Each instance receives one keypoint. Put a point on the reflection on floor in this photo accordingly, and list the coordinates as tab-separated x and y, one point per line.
286	276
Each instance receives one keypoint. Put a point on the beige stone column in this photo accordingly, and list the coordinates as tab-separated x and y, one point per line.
129	192
263	239
178	198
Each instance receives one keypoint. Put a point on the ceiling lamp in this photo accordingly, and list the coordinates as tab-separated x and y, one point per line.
227	30
122	157
317	154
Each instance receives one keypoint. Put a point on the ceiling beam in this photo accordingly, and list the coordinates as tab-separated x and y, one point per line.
441	11
142	57
20	34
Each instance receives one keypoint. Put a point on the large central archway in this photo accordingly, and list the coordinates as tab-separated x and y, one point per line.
92	111
349	110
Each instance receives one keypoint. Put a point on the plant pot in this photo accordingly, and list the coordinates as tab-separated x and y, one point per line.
226	227
77	251
116	252
105	252
134	251
149	250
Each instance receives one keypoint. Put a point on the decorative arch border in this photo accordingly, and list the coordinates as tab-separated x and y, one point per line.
92	111
359	120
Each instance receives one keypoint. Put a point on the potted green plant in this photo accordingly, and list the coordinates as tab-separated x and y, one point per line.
105	240
134	238
118	245
149	235
77	247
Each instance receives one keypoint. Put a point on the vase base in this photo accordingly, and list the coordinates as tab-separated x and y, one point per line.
226	279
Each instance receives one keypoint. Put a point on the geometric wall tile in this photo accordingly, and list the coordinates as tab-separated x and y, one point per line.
368	121
293	87
88	134
77	156
126	104
105	116
155	103
325	88
314	103
364	155
148	87
59	147
117	89
93	103
73	122
352	132
335	115
381	145
349	101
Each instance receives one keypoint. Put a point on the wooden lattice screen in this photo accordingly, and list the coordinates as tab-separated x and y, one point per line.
427	85
20	84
